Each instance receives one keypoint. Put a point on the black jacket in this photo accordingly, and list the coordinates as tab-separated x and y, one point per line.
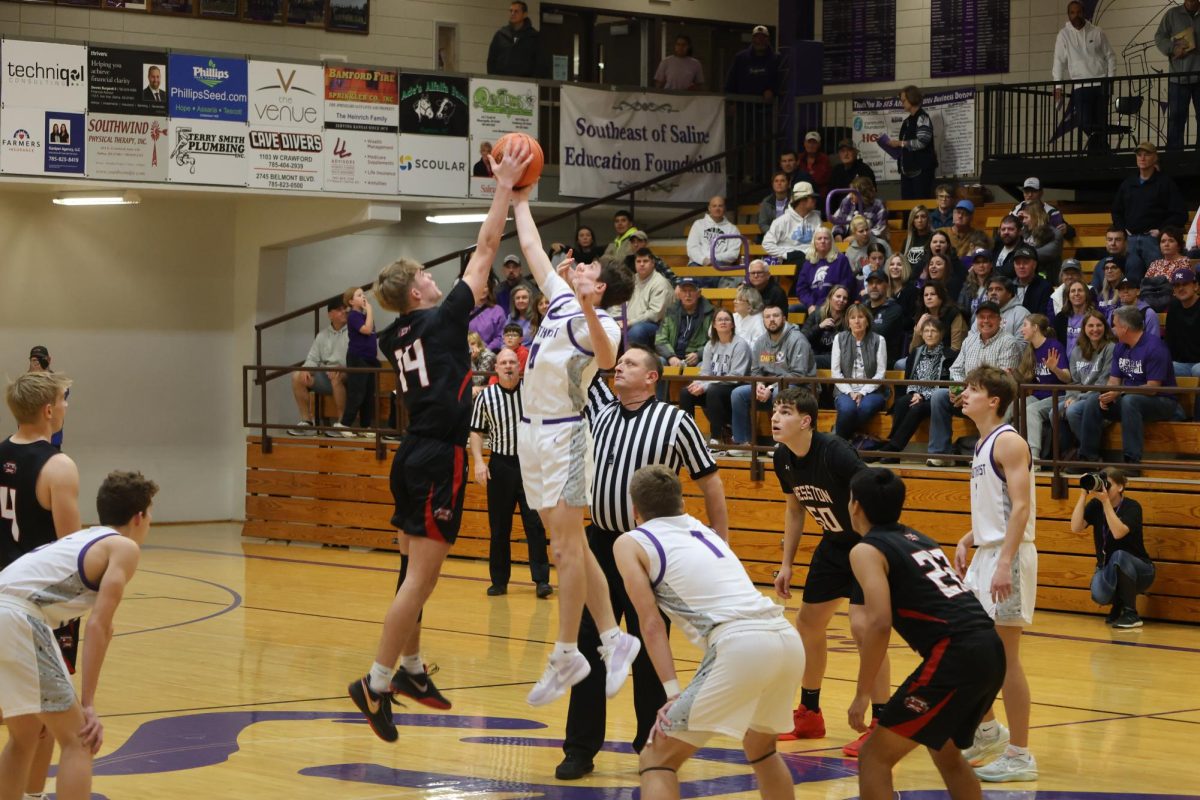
774	295
888	322
1037	295
842	175
516	53
1142	207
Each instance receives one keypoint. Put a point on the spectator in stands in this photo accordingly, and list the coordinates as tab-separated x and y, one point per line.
792	233
824	268
362	350
1068	323
487	318
1082	52
511	270
1178	38
789	164
823	325
725	353
861	355
1091	362
1193	236
708	228
763	282
1032	191
684	329
328	350
988	346
680	71
540	307
861	242
781	352
619	249
748	310
849	166
1007	240
482	360
887	318
1123	567
814	161
940	244
774	205
1050	366
874	260
522	312
916	243
1068	273
1107	298
961	230
930	361
1046	241
1170	245
1144	204
975	287
512	341
913	149
942	216
938	270
936	304
902	288
516	48
652	296
1183	329
863	201
482	168
1115	249
755	70
1139	359
1031	288
1129	293
585	250
1002	292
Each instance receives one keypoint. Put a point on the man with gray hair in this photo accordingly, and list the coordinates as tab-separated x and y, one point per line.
1138	360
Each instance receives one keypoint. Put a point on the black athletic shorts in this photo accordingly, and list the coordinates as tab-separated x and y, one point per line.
429	477
947	695
830	576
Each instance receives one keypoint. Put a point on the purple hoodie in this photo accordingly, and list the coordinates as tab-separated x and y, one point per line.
816	280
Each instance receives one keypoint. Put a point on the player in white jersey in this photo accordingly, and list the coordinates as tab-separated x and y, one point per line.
574	338
88	569
753	658
1003	573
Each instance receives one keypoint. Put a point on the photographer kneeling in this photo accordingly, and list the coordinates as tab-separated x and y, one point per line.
1123	568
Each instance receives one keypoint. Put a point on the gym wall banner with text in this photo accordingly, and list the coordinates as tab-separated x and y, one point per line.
612	140
953	116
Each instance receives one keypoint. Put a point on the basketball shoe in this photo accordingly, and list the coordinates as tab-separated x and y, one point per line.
419	688
806	725
851	750
562	672
1009	767
618	658
377	708
985	747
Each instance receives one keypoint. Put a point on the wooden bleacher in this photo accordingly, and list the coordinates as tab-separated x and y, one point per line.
336	492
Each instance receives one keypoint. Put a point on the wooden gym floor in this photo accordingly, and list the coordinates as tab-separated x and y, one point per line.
227	675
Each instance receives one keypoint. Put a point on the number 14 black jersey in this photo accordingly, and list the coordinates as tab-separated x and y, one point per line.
929	601
428	349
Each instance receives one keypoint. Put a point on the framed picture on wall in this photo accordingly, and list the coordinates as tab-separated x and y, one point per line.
445	46
83	3
221	9
263	11
173	7
127	5
349	16
305	12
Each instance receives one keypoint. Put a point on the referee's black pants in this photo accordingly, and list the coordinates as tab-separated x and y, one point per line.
505	490
586	713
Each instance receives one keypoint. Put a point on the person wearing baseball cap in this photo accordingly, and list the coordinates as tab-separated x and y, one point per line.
1069	272
849	166
887	317
962	233
814	161
755	70
1129	292
1031	288
510	269
792	233
1183	328
913	148
1145	203
1032	191
684	329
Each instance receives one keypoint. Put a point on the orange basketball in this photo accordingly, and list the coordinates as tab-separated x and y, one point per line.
534	170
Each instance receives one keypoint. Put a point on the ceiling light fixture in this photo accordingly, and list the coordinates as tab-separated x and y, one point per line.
97	199
452	219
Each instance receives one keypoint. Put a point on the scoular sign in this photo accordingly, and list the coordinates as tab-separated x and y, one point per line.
43	75
434	166
207	87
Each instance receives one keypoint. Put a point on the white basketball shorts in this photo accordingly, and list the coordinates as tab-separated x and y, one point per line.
1017	608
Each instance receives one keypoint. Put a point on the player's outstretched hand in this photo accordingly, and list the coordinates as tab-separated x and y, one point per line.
566	268
857	714
512	168
783	580
92	732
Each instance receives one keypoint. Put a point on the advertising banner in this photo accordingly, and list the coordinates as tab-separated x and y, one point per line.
121	147
64	143
127	82
287	95
43	75
286	159
435	166
498	107
953	116
360	161
207	87
23	141
208	152
433	105
361	98
611	140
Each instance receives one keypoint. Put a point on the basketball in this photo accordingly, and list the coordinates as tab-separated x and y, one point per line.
534	170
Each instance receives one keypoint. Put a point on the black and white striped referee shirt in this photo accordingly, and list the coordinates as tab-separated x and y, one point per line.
624	441
495	413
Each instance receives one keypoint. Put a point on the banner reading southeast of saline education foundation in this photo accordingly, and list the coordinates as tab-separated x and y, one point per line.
611	140
953	116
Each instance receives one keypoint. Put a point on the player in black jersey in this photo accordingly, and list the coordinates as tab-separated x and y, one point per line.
39	502
814	471
908	583
427	346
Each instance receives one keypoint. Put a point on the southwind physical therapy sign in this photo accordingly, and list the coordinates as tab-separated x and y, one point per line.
612	140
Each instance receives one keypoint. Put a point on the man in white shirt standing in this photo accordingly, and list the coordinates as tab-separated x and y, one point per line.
1082	51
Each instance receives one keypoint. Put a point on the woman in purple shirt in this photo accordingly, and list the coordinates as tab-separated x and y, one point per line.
488	319
1049	367
362	351
824	268
1068	323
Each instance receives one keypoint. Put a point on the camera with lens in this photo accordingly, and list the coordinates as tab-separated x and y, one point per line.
1093	482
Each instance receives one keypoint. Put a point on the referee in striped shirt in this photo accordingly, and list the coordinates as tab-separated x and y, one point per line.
630	430
496	412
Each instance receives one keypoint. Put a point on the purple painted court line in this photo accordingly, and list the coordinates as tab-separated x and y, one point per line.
235	601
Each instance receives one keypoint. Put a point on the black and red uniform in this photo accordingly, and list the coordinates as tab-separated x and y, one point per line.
963	658
428	349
